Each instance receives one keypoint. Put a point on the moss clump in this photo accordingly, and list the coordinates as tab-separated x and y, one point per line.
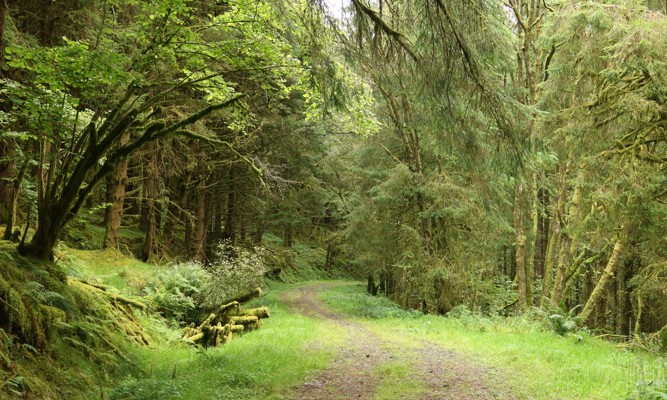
59	338
26	285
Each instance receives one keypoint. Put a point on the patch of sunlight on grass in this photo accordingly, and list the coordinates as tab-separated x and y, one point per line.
574	367
109	267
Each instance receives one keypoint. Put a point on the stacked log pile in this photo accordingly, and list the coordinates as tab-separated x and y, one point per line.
231	318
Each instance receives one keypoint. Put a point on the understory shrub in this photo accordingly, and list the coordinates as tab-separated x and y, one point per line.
179	291
234	272
187	290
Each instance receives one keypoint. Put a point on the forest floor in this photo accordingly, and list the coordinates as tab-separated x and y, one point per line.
324	340
368	365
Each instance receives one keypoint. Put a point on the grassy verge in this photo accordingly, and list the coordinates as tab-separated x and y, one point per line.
539	364
264	364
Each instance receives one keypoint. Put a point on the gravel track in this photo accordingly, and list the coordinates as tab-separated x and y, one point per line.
444	374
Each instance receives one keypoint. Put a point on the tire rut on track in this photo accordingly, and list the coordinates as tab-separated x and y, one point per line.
444	374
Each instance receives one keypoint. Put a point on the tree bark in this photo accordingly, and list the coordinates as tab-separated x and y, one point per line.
150	198
520	242
116	184
200	224
13	207
229	229
3	18
601	286
569	248
550	261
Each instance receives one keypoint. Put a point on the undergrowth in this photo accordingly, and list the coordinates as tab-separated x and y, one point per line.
59	338
261	365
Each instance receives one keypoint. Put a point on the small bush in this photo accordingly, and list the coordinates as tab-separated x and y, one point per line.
234	272
563	324
179	292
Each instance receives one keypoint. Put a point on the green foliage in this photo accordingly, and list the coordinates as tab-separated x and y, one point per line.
253	367
147	389
348	300
234	271
652	383
178	293
563	325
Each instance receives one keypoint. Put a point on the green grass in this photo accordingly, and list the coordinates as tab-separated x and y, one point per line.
539	364
263	364
267	364
396	382
109	267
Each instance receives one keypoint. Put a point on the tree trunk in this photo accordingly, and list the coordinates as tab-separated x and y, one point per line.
601	286
229	230
150	197
13	207
520	246
550	261
534	248
623	299
569	248
116	183
332	252
7	175
173	218
3	18
200	224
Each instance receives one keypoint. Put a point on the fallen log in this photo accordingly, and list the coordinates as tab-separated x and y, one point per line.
244	320
230	318
260	312
229	308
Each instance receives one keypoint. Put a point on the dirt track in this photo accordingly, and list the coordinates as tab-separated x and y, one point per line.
441	373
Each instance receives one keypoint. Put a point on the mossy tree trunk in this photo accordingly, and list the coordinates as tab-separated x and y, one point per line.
568	247
604	280
13	206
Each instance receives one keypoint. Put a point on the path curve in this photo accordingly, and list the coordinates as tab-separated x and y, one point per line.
444	374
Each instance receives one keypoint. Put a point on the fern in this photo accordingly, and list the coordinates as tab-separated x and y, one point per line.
39	294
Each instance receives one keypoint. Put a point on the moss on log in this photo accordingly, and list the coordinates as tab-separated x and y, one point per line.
244	320
220	327
229	308
260	312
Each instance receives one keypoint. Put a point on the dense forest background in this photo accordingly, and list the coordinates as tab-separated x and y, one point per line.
497	155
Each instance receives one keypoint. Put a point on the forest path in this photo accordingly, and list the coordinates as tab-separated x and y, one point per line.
380	366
